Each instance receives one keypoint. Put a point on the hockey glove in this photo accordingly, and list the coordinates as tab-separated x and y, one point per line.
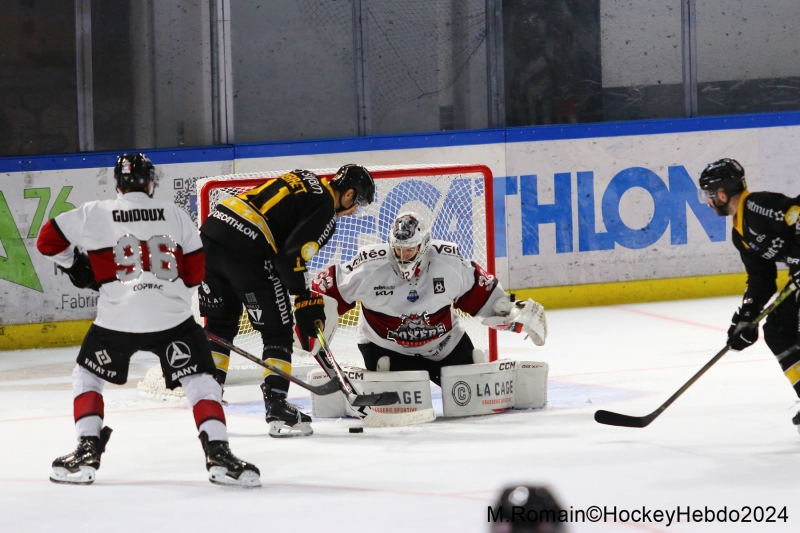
521	316
743	333
80	273
309	315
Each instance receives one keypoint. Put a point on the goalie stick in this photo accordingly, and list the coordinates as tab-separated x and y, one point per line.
617	419
329	364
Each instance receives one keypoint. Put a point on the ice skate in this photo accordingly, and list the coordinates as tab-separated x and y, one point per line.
80	466
284	419
224	468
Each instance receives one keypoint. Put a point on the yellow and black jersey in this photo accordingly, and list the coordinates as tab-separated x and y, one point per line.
766	230
287	219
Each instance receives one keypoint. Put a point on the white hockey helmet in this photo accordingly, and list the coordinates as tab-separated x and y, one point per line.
409	239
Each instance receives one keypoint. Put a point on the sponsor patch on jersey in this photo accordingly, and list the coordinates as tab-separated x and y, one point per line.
438	285
309	250
792	215
412	296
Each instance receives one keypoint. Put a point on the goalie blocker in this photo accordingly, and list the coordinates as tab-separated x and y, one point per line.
467	390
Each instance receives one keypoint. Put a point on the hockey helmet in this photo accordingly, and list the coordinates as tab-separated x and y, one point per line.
726	174
409	238
135	172
357	178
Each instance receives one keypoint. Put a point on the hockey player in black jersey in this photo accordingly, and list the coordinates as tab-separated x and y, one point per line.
766	230
257	246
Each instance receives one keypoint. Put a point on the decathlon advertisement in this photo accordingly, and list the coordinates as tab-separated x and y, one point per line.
573	205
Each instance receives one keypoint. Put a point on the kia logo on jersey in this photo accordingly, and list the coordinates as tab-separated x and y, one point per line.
178	354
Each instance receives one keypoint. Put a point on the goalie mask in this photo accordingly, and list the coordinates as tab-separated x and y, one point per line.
409	239
135	173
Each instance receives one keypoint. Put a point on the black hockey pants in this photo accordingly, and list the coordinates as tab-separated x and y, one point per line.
234	279
780	334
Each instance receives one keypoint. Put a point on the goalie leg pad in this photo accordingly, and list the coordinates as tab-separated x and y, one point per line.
413	388
469	390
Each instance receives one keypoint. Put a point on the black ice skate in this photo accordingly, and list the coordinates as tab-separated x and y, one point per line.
284	419
224	468
80	466
796	421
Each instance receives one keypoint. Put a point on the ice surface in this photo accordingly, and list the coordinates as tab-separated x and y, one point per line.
728	441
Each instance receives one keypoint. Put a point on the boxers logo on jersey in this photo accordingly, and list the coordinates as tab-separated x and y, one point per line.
102	357
438	285
136	215
416	330
178	354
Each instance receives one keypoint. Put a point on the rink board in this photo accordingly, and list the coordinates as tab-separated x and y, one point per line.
584	215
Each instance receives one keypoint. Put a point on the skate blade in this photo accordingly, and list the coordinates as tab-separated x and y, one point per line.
279	430
85	476
248	479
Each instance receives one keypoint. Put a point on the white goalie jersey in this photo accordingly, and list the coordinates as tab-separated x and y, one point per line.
414	317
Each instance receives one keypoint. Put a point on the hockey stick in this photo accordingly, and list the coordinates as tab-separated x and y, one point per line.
334	372
617	419
329	388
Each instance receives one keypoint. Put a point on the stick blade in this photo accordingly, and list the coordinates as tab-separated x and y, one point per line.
616	419
328	388
383	398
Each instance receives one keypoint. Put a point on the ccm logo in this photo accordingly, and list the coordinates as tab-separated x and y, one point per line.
511	365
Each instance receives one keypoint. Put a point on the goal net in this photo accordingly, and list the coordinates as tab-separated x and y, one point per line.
456	201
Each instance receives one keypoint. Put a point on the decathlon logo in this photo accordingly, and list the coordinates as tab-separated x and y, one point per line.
462	394
102	357
178	354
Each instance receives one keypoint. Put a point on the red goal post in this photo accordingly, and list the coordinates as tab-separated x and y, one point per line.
457	200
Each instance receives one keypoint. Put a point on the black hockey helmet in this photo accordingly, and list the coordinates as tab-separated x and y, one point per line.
357	178
135	172
726	174
526	508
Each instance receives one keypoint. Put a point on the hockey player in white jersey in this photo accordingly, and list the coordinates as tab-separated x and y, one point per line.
143	256
410	288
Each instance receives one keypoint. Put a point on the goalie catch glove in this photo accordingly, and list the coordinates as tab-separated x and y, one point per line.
309	314
519	316
80	273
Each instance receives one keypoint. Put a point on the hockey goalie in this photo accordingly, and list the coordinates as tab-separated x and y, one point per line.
410	289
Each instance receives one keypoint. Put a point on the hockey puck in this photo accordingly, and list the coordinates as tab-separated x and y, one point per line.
356	430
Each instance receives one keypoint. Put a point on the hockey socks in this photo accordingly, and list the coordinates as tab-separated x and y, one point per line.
210	418
88	409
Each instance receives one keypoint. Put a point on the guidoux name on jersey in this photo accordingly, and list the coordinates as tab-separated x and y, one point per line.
136	215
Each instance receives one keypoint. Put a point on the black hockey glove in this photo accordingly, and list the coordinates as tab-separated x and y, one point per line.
309	314
743	333
80	273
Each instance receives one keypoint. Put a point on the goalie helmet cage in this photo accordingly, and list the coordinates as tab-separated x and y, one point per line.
457	200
